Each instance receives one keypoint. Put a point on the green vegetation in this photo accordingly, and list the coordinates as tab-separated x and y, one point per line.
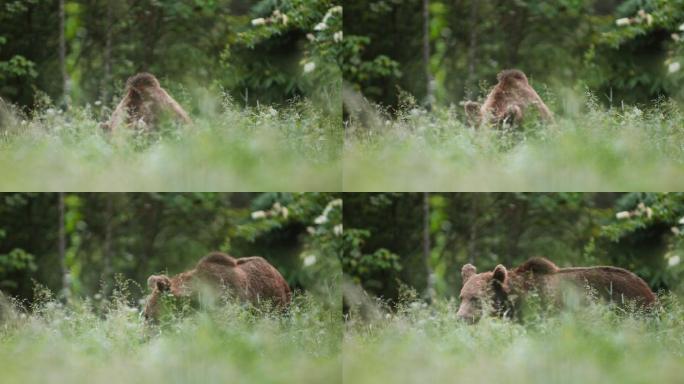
228	148
589	345
100	341
588	148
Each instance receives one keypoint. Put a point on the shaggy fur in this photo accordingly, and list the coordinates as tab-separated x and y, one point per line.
143	103
507	102
251	279
504	291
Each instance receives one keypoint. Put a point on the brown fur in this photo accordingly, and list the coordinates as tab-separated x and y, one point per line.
507	102
250	279
503	291
143	103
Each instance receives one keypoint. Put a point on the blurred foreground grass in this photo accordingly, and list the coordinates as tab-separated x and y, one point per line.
95	342
591	345
294	148
589	148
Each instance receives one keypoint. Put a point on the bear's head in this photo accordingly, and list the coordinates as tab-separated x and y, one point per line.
485	292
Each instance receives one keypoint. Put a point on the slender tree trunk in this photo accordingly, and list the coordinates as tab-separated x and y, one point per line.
429	81
107	247
426	247
472	51
107	56
61	235
62	58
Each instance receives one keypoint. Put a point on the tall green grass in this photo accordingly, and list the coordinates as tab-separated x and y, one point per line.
589	148
593	344
293	148
96	341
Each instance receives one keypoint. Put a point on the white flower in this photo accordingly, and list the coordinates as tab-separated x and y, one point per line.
649	19
675	37
309	260
98	102
681	27
258	215
623	215
258	21
337	37
674	260
322	219
311	230
97	296
286	212
285	19
649	212
321	27
675	230
310	37
681	221
674	67
338	229
622	22
309	67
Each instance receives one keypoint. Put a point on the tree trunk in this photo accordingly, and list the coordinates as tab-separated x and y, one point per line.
61	244
107	57
430	291
471	85
429	81
107	247
62	58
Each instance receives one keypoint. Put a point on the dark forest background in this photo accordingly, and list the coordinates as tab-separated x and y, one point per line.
80	244
82	51
629	50
400	239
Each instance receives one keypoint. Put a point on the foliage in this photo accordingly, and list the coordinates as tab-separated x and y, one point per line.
228	148
626	50
589	148
587	345
637	231
136	235
107	341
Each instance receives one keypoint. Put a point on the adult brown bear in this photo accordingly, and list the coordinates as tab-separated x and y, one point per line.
505	291
250	279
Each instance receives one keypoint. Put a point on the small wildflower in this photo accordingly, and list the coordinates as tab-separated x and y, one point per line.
674	67
309	260
649	212
285	19
310	37
338	230
681	27
622	22
98	102
321	220
258	215
258	21
675	231
311	230
309	67
337	37
623	215
676	37
285	212
321	27
674	260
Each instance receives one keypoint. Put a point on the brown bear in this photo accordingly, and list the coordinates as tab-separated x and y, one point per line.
503	292
250	279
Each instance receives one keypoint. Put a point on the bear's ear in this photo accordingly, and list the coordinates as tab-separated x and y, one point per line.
467	272
160	282
500	274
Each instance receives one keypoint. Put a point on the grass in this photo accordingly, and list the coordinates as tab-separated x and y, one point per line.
420	343
229	148
589	148
95	341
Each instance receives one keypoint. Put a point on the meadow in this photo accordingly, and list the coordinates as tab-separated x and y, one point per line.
296	146
590	147
94	340
421	343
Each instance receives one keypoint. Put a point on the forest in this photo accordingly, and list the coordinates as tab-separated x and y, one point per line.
610	72
73	272
402	260
258	79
